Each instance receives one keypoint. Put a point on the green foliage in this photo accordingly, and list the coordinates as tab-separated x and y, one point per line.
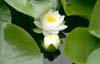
80	44
17	46
78	7
94	58
1	2
34	8
83	44
4	12
94	27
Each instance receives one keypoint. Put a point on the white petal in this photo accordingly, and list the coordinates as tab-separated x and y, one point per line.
56	13
54	32
45	33
51	39
62	27
49	26
38	24
58	22
62	18
37	30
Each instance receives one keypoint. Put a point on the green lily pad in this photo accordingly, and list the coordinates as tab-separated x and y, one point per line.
82	8
5	14
94	27
1	1
17	46
80	44
94	58
34	8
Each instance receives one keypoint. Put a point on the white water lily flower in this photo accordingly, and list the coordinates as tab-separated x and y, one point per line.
51	23
51	40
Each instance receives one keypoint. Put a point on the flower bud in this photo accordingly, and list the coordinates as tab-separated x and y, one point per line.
51	42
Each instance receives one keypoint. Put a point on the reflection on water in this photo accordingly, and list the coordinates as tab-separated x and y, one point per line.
60	59
51	56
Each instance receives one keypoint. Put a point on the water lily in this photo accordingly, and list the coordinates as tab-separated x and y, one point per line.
50	23
51	42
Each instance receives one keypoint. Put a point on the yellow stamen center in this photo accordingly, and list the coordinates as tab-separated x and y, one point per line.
51	19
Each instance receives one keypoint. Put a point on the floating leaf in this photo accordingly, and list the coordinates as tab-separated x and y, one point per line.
94	27
4	13
78	7
94	58
34	8
17	46
80	44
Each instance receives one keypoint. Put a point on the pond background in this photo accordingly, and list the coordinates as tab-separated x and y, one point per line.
26	22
